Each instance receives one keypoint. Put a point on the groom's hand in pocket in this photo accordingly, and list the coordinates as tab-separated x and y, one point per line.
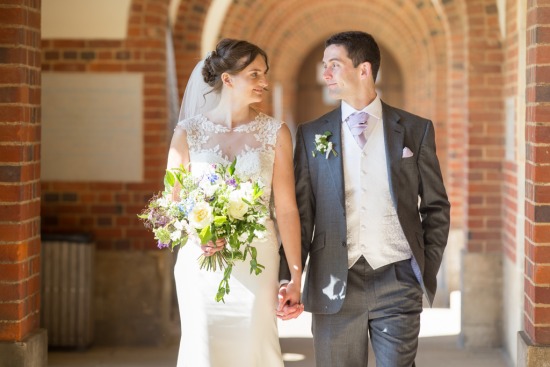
289	306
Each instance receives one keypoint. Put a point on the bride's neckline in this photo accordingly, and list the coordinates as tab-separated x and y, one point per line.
236	128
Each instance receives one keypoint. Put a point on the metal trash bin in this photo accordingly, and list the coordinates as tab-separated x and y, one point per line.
67	289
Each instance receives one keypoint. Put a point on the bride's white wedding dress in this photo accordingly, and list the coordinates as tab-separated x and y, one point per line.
243	331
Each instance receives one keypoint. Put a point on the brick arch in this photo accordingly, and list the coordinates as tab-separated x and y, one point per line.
187	34
288	32
413	33
429	40
455	23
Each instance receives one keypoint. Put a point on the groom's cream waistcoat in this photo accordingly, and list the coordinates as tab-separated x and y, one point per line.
373	229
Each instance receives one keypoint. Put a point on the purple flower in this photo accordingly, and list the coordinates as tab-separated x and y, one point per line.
231	182
162	245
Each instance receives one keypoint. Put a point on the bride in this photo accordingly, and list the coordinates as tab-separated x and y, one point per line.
217	124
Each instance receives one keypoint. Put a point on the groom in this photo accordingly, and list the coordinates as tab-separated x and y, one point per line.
374	215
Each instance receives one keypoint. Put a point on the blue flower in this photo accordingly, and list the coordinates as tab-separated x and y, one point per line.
186	206
212	177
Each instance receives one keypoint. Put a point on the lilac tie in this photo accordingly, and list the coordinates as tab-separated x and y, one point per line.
357	123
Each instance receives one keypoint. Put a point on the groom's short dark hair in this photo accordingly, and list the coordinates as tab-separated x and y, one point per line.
361	47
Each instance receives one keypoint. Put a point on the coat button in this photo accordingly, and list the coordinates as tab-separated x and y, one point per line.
344	244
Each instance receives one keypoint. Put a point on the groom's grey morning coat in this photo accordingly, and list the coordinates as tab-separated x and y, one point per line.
320	198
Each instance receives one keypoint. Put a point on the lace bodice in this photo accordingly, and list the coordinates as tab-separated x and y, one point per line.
253	144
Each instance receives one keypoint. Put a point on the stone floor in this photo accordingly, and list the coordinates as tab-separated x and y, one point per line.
438	346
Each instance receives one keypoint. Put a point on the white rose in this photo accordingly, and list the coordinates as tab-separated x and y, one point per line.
260	235
209	189
246	190
176	235
201	215
237	207
164	202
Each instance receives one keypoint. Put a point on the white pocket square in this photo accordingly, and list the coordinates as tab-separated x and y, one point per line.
407	153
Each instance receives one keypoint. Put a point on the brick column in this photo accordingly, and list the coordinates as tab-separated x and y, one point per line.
482	260
534	341
22	343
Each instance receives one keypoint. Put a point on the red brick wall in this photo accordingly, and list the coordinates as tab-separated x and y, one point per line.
19	168
510	204
187	36
537	172
455	26
485	134
108	210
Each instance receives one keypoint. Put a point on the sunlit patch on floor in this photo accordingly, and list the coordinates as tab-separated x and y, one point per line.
293	357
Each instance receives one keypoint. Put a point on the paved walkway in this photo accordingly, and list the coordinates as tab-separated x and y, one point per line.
438	346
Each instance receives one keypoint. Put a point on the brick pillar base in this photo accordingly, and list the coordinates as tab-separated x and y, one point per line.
31	352
481	300
530	355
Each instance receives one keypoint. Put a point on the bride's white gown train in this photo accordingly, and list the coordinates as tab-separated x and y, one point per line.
243	331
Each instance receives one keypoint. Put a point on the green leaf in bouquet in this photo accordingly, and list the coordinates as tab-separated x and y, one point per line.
248	202
227	273
220	294
143	216
234	242
180	173
258	269
237	255
169	180
224	288
253	265
257	191
181	242
231	168
220	219
162	234
205	235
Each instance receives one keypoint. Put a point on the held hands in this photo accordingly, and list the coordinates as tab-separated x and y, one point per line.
289	301
211	248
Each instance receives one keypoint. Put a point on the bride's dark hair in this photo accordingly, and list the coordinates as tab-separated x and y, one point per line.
231	56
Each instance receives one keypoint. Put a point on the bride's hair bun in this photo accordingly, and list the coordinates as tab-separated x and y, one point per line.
231	56
208	71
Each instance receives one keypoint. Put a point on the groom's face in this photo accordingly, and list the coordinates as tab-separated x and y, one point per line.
342	78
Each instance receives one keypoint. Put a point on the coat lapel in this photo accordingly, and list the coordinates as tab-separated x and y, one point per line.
393	136
333	123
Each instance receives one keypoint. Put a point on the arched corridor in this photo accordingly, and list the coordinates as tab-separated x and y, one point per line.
88	92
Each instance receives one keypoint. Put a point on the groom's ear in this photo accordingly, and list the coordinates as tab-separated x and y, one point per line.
366	70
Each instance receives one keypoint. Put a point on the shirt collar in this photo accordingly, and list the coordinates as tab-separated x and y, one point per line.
374	109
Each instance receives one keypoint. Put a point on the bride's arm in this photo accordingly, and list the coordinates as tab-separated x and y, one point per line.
288	219
178	154
179	150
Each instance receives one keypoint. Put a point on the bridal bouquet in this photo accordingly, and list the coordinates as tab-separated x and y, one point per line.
216	205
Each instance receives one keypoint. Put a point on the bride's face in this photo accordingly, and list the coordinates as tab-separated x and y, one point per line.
251	82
